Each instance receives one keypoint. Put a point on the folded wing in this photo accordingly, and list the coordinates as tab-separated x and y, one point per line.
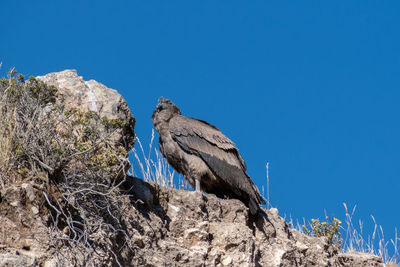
219	153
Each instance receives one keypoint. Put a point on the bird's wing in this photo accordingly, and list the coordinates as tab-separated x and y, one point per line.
193	128
219	152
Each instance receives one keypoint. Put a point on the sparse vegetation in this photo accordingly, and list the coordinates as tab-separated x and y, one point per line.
329	228
349	237
354	239
357	240
67	155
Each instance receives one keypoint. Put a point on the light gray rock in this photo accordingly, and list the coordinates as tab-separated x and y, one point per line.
13	260
92	114
35	210
93	96
201	230
358	259
30	195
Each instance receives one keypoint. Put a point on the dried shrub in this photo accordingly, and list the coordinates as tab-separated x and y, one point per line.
71	157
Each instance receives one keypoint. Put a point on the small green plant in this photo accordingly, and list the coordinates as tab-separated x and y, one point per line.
329	228
112	124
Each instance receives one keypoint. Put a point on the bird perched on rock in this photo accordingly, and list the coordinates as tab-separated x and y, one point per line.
208	159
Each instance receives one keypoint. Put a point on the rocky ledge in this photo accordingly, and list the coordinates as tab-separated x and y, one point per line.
77	217
183	228
170	227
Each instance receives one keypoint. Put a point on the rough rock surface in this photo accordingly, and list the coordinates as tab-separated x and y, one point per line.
193	229
177	228
23	229
93	96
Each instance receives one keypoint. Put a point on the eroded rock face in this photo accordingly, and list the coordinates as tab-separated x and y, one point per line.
169	227
193	229
92	96
12	260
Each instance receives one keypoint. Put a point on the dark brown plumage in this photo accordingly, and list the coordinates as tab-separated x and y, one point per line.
208	159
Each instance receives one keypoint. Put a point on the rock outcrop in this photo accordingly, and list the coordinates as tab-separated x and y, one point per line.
92	114
178	228
79	217
69	149
91	96
185	228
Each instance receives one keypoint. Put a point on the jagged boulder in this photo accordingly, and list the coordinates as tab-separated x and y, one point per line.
93	118
91	96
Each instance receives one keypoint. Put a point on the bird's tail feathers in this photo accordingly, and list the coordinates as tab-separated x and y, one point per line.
253	206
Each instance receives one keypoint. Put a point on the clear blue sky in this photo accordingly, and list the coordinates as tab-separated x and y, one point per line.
312	87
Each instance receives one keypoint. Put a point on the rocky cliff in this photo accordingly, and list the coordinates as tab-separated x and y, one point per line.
88	212
169	227
182	228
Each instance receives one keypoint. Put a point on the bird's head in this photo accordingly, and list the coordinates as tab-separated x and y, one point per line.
167	105
164	111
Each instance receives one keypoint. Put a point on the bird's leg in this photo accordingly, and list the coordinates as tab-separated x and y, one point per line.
197	185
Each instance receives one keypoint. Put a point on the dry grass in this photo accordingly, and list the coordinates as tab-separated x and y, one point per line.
156	170
7	131
375	243
355	239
